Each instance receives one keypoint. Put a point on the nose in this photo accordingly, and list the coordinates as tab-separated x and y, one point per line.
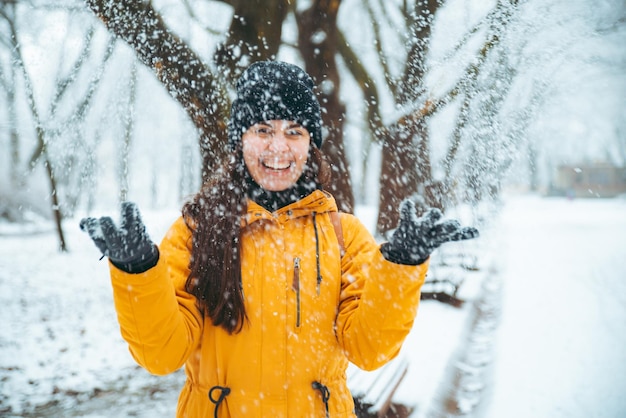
278	142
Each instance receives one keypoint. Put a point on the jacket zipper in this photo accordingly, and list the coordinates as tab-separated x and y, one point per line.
296	287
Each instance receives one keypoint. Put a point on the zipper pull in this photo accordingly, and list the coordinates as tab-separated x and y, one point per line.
295	285
296	288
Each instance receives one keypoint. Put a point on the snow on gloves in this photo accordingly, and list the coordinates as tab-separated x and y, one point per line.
128	247
416	238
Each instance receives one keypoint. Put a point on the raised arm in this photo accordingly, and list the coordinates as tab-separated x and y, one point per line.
158	319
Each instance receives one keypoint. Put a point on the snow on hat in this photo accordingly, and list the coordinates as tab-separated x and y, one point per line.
274	90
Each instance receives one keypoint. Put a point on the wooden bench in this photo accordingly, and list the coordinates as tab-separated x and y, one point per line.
448	271
373	391
444	291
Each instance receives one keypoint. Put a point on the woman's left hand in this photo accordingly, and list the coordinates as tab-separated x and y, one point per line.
416	238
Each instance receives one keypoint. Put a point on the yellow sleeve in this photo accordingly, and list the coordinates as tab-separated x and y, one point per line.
379	299
158	319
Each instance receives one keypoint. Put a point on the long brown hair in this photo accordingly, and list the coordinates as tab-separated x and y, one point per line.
214	215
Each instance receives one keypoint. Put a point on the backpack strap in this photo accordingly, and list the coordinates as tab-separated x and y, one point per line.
335	218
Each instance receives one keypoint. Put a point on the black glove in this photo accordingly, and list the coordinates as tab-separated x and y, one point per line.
128	247
416	238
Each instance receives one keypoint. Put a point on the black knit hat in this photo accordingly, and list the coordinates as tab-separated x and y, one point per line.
274	90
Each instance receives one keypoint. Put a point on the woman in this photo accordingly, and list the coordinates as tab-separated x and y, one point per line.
261	290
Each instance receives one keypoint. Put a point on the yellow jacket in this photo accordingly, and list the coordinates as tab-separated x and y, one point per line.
301	330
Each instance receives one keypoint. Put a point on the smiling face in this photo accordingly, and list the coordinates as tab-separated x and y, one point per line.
275	153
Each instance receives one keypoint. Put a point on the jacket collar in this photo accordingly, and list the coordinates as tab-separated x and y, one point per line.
318	201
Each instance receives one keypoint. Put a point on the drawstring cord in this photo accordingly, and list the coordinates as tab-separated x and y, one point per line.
317	254
225	391
325	394
223	394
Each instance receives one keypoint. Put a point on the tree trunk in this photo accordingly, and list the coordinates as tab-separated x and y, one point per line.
404	151
56	208
14	141
255	35
406	156
8	83
32	104
318	40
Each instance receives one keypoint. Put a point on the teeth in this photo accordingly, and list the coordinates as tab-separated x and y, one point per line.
276	165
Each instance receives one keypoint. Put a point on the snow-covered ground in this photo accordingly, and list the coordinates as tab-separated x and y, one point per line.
60	343
553	268
561	346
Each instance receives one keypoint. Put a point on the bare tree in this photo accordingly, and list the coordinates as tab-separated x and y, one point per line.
187	78
318	38
51	125
40	132
255	33
7	84
407	167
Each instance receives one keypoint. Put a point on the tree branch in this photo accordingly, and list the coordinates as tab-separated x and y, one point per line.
63	83
187	79
365	81
378	43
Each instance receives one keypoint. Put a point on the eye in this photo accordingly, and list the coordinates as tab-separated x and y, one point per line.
263	131
295	132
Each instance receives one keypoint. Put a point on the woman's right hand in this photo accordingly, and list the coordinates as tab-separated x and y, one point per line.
129	247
